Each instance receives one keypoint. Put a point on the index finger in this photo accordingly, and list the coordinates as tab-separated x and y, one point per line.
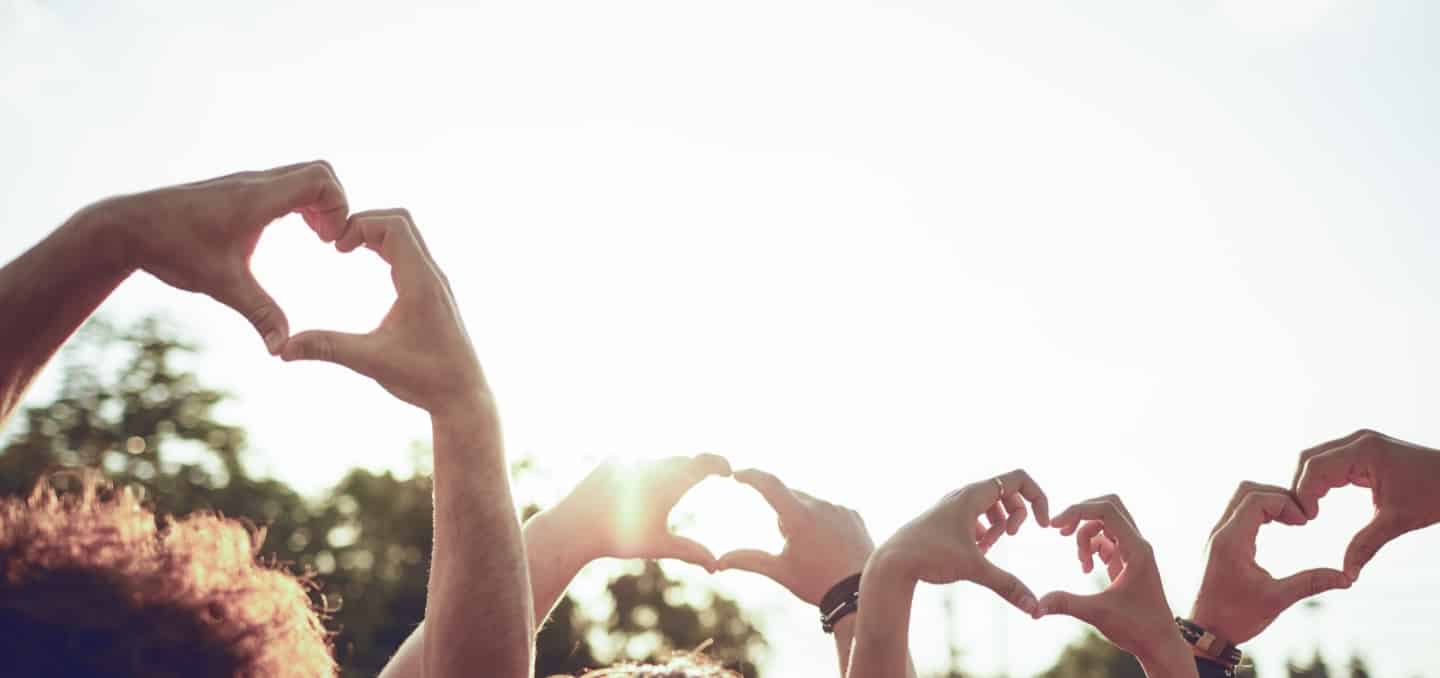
312	190
1257	508
1116	523
1337	467
1016	482
392	235
775	493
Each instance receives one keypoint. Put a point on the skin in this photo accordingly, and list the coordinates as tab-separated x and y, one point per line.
943	545
1132	611
422	354
617	511
1401	477
197	237
824	544
1238	599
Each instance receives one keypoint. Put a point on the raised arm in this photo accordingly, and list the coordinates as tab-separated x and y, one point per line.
478	601
196	237
825	544
945	544
618	511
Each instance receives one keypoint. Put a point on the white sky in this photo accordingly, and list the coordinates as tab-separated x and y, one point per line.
1150	248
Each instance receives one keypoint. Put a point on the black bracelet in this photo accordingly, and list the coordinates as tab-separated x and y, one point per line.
1213	648
839	602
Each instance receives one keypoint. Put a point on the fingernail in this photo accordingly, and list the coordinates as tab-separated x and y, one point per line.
272	341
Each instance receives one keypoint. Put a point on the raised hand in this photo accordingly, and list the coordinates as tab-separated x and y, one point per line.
824	542
947	543
622	511
1238	598
1132	612
1402	478
200	236
420	352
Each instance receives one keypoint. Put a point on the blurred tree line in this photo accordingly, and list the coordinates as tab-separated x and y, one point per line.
125	406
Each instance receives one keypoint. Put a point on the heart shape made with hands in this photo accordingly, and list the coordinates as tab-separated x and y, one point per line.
317	287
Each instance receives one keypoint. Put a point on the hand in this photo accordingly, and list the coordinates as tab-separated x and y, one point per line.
947	543
824	542
622	511
420	352
1238	598
1132	612
199	237
1402	478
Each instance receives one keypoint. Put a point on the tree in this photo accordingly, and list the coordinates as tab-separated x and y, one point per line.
1094	657
149	423
1316	669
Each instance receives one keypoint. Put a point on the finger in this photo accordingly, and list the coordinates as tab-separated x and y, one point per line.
312	190
1088	608
754	560
1298	587
1121	530
995	515
708	464
1019	482
1007	586
776	494
1367	542
1108	552
1084	538
252	301
985	537
351	350
688	550
1326	446
1015	507
1255	509
1328	470
392	235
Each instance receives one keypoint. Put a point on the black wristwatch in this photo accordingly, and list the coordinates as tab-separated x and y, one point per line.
839	602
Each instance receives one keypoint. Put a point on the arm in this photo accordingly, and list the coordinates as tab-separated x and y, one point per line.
478	598
931	549
1132	612
824	544
616	511
196	237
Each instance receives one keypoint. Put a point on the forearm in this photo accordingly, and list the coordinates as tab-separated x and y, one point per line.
478	606
882	625
1175	660
50	290
553	557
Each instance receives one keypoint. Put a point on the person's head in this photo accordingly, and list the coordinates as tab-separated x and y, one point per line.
93	584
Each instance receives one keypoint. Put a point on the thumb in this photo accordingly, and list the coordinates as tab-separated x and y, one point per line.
753	560
252	301
341	348
688	550
1007	586
1086	608
1300	586
1366	543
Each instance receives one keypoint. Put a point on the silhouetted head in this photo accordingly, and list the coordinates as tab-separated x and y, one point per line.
92	584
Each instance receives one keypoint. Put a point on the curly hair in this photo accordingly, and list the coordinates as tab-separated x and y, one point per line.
93	584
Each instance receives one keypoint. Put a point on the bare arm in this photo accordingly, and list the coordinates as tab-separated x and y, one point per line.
195	237
614	512
47	292
479	599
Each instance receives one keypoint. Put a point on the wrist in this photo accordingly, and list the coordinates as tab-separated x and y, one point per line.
472	415
109	228
888	565
1170	659
554	530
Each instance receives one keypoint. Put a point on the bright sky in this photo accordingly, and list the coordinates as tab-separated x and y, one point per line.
1141	247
